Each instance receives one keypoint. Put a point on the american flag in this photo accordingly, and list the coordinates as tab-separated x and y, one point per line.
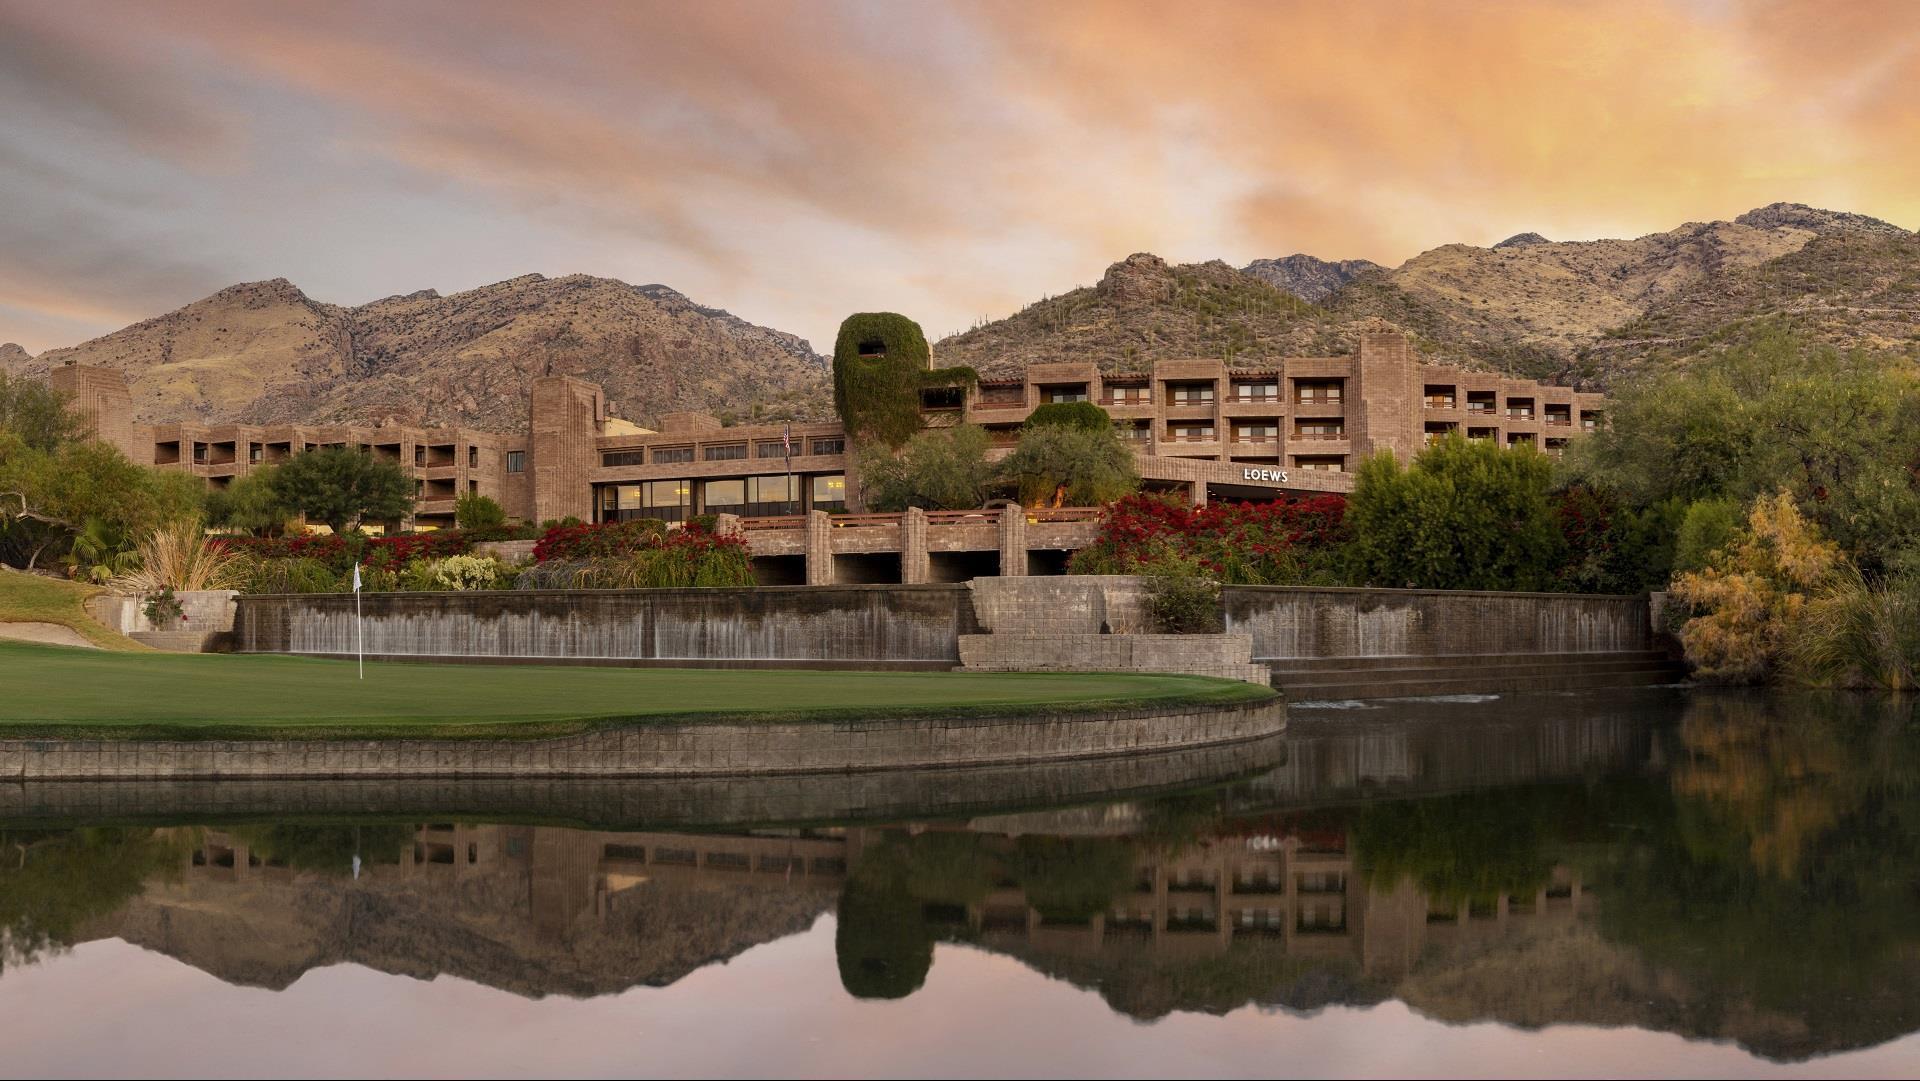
786	439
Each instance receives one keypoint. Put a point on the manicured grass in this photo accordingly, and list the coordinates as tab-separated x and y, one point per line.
31	598
47	690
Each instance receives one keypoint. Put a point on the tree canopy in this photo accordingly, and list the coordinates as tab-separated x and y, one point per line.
342	487
1069	465
940	469
1466	514
1839	431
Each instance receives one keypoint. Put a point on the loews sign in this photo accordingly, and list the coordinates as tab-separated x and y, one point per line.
1270	476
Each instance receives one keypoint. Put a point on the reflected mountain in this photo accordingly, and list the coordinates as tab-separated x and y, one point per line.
1728	867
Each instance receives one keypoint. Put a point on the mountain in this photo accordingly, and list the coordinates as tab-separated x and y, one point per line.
1538	307
1585	312
1144	310
265	352
11	355
1308	278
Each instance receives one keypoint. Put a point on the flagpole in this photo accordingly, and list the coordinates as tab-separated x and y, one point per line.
786	444
359	624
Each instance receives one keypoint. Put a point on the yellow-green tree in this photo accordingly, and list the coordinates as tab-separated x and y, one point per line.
1749	598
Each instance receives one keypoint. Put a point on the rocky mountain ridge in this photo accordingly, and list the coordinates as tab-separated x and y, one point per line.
265	352
1309	278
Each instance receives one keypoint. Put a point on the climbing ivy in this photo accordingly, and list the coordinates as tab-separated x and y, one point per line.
881	362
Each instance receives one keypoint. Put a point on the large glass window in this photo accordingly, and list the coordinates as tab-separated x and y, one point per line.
635	456
729	452
1192	393
772	496
723	496
830	445
665	455
830	493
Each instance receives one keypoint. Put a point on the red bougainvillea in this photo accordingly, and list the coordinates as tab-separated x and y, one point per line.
1257	543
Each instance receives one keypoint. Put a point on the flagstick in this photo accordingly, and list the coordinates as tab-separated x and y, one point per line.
359	624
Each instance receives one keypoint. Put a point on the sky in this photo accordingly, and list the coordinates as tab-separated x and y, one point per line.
794	162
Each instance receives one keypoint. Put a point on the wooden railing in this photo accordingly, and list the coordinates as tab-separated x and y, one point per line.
962	517
862	521
1063	514
785	521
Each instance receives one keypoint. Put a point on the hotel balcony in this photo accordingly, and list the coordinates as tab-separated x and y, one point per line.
1319	407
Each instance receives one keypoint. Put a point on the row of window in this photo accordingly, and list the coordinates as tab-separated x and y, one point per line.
726	452
677	500
1306	392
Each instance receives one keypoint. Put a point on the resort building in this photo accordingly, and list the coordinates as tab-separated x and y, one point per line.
1203	427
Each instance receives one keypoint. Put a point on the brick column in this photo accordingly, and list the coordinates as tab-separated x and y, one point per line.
728	525
915	567
1013	542
819	548
1197	493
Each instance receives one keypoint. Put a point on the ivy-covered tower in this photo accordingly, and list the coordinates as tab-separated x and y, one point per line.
881	363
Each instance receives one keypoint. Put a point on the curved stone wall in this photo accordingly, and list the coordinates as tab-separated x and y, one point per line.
660	750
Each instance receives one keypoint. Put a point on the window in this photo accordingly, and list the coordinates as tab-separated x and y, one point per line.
1439	397
829	492
253	453
1256	392
667	500
729	452
1191	433
473	487
516	461
943	397
1519	408
830	445
1134	395
723	496
199	454
1077	393
635	456
1322	430
1316	393
1192	393
666	455
1255	433
772	496
473	457
771	450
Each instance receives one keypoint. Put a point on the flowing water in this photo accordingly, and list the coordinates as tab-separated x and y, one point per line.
1645	883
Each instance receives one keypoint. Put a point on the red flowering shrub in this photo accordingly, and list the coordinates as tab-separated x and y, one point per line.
644	554
1277	543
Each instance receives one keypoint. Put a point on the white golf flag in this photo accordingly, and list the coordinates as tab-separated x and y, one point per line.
356	577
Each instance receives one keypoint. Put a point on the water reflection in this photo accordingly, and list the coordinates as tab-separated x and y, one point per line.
1729	867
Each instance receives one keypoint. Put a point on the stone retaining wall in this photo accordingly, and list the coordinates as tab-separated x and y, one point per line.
658	750
1289	622
773	626
710	802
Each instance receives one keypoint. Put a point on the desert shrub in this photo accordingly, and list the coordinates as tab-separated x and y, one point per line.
1612	546
1181	598
475	511
1855	633
300	574
1746	602
554	574
459	573
178	556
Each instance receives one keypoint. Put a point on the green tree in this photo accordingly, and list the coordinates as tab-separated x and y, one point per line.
342	487
1071	465
1070	414
1840	431
1467	514
250	503
36	413
941	469
476	511
47	497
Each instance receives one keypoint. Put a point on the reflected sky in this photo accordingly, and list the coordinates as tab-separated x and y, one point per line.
1647	884
767	1011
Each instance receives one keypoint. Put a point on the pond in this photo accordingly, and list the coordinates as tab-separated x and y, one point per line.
1645	883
